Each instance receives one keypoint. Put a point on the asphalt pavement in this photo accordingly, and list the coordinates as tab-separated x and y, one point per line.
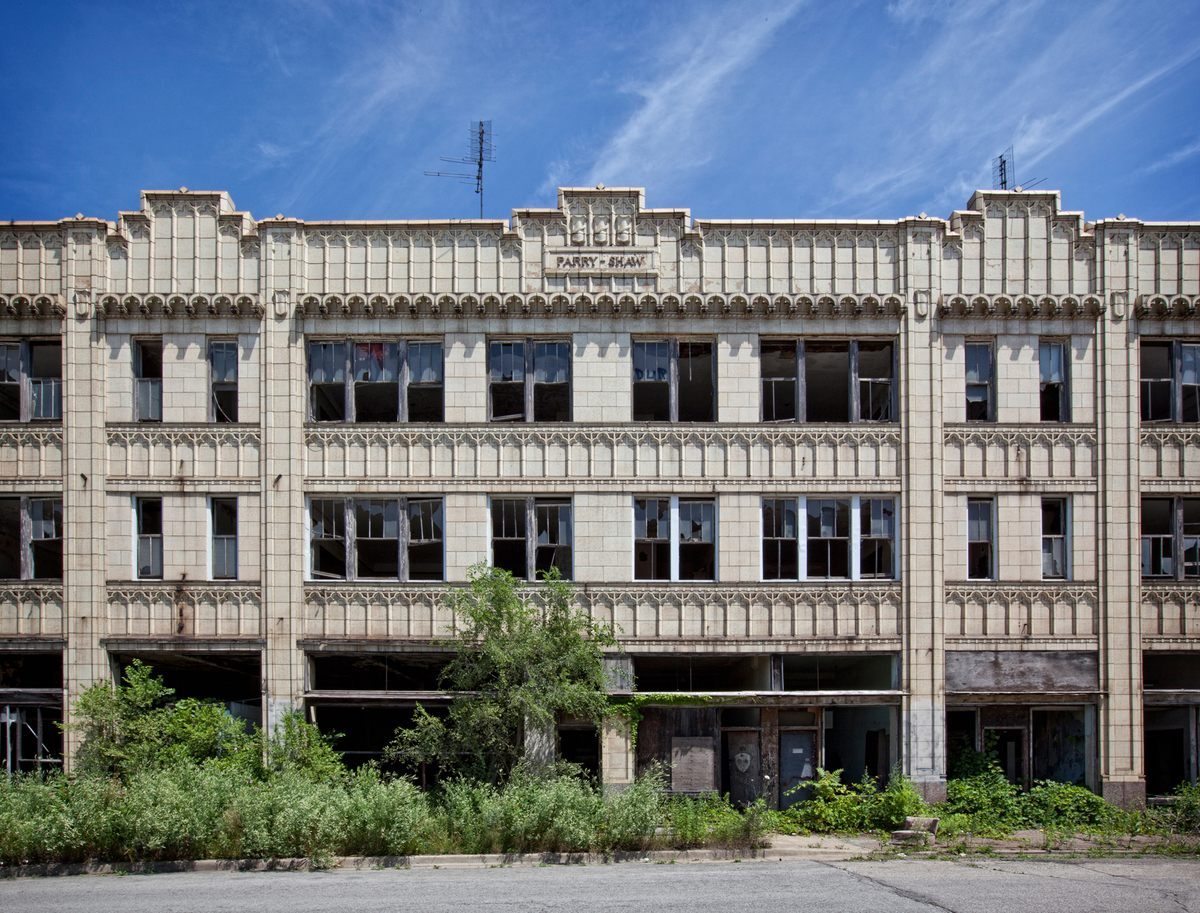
972	885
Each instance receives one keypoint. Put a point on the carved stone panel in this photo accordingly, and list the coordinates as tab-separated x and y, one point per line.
183	451
31	452
1022	611
202	610
31	609
1170	453
1018	452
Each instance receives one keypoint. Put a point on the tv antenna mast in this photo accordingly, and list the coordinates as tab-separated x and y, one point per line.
480	149
1004	173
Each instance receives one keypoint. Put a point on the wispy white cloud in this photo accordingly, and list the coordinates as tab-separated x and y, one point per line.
1171	159
658	139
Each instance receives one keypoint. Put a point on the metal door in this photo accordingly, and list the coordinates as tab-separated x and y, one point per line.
743	773
797	765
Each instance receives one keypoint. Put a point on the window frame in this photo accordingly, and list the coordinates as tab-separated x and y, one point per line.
26	379
529	382
153	538
139	379
1178	537
856	537
993	569
673	383
1063	384
989	385
224	538
674	540
26	564
404	382
214	412
347	505
1177	388
854	379
530	505
1064	506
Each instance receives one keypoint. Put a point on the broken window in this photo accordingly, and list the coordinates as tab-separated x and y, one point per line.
1053	366
224	538
1171	537
148	516
532	535
34	366
980	404
1054	539
675	538
365	539
980	542
529	379
375	380
877	532
425	383
781	543
223	376
147	372
828	538
1170	381
31	539
652	539
506	381
827	380
673	381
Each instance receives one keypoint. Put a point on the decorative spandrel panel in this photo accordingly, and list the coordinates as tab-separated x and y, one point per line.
1019	452
1170	454
1170	610
147	609
589	454
1022	611
183	451
842	614
31	609
31	452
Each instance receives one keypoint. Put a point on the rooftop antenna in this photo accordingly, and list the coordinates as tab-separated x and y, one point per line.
480	149
1004	173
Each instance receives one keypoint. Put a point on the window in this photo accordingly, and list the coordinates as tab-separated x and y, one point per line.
1171	538
846	538
149	517
673	381
30	380
1170	381
1054	367
529	380
223	521
222	374
981	564
827	380
675	538
147	373
532	535
1054	539
31	539
375	539
981	406
375	381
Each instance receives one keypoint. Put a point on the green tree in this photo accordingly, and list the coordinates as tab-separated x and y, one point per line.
518	665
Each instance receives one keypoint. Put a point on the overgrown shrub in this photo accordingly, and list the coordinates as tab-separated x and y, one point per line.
837	807
986	804
1183	816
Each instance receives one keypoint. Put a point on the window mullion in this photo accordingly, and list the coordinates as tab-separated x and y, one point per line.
673	380
348	379
801	386
855	404
802	538
855	538
350	534
1177	555
26	538
530	538
402	378
1177	381
402	536
26	380
673	513
530	380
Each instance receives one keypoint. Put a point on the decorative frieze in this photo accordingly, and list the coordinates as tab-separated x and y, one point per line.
1021	610
184	609
180	305
31	452
602	453
1019	452
1028	307
1170	610
838	611
1170	453
31	609
1166	307
36	306
183	452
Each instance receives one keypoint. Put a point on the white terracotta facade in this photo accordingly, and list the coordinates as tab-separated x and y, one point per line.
1086	667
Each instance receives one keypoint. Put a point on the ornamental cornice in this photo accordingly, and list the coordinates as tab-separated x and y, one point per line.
1165	307
1169	435
48	307
32	592
184	591
179	304
25	435
1033	307
1019	435
600	304
1022	593
1154	592
137	433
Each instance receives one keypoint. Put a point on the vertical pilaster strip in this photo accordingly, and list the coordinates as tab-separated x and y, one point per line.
85	455
923	658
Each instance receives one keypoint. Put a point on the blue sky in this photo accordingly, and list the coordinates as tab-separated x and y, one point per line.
784	109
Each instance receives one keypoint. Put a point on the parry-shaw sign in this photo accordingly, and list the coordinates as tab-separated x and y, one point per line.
592	262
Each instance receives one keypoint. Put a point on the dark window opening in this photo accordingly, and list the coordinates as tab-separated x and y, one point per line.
979	539
781	542
652	381
377	542
540	529
506	381
328	539
425	539
222	361
1054	367
45	380
554	537
1157	379
425	382
551	381
778	360
46	539
377	671
828	538
232	679
224	538
827	381
149	538
10	539
696	401
10	381
376	373
877	531
1054	539
147	364
814	672
652	539
980	407
580	746
1158	537
31	670
375	381
875	366
508	537
683	672
697	539
327	381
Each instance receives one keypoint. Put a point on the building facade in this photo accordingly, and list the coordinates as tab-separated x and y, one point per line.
851	494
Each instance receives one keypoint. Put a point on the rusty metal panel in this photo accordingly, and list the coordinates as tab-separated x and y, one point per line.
693	765
1017	671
